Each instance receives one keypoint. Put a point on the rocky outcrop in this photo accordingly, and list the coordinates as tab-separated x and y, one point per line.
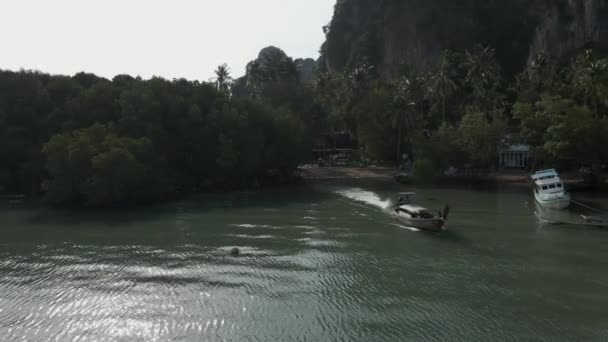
307	67
415	34
393	33
272	65
567	26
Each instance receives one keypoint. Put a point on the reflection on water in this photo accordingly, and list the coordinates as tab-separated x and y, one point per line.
316	264
572	217
553	216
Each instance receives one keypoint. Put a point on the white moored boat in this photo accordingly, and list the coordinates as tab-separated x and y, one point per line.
549	190
418	217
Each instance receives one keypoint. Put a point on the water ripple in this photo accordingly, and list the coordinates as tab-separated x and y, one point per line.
322	269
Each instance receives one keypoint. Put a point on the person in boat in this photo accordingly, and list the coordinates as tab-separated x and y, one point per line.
427	215
403	200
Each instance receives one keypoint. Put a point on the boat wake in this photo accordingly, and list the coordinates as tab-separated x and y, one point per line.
416	230
365	197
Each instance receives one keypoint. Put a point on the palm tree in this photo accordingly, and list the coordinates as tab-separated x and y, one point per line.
590	77
355	84
415	88
443	80
359	79
410	94
223	79
483	72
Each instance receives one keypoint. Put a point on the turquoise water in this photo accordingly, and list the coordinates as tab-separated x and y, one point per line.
318	263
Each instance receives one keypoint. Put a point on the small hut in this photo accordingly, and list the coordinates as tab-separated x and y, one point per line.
515	156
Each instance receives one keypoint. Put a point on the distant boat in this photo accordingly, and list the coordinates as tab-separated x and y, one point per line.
419	217
549	190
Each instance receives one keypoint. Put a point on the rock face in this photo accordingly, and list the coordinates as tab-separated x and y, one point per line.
570	25
273	65
307	67
393	33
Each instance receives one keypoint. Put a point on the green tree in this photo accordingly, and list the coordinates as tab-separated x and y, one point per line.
450	148
483	76
590	79
570	131
481	132
574	132
534	120
116	174
335	96
98	167
223	79
539	78
377	126
272	66
24	107
410	93
443	80
130	140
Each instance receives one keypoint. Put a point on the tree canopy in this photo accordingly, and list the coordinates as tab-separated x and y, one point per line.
89	140
462	110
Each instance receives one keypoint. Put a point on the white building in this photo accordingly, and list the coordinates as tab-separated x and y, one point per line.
515	156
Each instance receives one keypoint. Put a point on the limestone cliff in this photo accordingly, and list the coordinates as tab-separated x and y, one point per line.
391	33
569	25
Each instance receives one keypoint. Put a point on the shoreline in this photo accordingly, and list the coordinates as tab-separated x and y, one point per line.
515	178
316	174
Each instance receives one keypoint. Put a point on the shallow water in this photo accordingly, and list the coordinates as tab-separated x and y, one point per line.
318	263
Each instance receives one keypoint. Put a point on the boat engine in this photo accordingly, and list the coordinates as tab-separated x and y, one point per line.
446	211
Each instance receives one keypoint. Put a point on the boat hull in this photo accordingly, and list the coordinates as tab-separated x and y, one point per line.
557	202
430	225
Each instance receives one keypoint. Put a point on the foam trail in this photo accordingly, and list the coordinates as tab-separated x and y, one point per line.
406	227
365	196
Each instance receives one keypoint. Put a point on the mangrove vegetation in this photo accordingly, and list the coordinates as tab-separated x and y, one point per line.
94	141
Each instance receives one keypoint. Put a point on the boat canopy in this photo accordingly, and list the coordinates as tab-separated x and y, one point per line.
554	180
545	174
413	208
